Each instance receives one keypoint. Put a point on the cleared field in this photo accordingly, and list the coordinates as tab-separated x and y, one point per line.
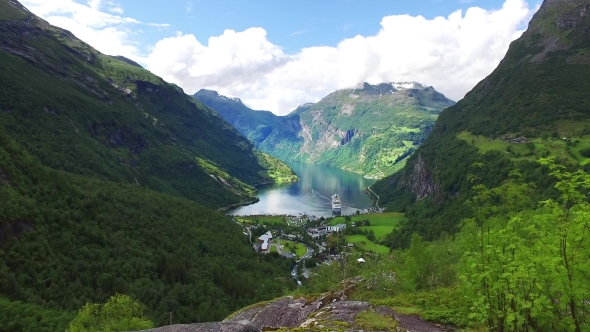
376	219
569	149
262	219
380	231
298	248
361	242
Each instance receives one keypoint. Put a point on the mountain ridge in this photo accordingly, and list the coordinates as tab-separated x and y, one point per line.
537	94
336	131
120	113
105	171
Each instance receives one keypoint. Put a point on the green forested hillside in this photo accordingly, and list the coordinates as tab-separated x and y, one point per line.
104	170
516	265
535	104
369	130
87	113
68	239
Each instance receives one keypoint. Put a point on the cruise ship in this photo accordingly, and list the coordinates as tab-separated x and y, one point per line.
336	204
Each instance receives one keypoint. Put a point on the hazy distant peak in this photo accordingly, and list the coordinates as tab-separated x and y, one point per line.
407	85
393	86
215	94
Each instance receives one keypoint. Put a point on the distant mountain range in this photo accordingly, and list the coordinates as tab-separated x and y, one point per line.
370	129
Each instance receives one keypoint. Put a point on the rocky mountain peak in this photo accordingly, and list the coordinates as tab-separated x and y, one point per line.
214	94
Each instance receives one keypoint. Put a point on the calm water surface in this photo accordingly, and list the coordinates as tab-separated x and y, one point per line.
311	195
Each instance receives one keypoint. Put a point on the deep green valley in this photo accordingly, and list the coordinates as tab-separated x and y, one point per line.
114	186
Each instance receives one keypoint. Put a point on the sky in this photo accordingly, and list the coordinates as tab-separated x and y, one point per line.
278	54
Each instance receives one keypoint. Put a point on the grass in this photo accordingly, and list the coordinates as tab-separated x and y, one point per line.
298	248
8	12
442	305
370	320
380	231
559	148
273	249
376	219
262	219
361	242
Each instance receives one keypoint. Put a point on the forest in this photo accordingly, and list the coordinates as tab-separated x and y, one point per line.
516	265
67	240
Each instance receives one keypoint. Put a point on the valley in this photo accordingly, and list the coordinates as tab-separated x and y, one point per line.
369	129
128	204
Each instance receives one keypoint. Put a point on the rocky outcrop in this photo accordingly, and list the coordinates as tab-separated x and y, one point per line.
329	312
420	181
207	327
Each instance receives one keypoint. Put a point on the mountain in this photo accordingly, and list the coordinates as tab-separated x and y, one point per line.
370	129
105	171
534	104
83	112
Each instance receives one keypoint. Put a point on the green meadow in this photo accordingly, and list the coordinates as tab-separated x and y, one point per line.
362	243
376	219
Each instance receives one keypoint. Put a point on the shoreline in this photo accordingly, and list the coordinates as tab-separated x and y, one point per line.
256	186
235	205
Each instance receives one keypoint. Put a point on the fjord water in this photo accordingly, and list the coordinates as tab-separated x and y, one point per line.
311	195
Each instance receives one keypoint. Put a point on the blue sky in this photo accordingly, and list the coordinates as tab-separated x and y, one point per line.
290	24
277	54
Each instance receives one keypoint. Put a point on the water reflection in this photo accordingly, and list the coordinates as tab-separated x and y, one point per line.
311	195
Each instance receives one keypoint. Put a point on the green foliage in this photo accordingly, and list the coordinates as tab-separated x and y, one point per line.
363	242
374	219
528	269
26	317
443	305
585	152
66	240
120	313
371	320
90	114
276	170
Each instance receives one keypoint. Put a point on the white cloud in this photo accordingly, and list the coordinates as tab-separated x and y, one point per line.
451	53
108	33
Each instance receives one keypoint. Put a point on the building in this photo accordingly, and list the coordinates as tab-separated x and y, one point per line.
336	228
264	241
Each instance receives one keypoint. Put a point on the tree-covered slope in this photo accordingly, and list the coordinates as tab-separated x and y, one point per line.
83	112
534	104
369	130
67	239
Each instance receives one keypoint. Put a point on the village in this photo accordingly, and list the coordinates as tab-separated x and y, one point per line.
312	241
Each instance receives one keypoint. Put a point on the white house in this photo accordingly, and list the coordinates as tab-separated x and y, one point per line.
337	228
264	240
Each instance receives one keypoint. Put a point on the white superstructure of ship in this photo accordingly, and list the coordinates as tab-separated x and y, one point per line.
336	203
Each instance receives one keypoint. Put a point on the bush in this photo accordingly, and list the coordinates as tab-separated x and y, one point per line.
585	152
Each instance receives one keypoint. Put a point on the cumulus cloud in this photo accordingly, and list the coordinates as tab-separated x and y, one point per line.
451	53
109	33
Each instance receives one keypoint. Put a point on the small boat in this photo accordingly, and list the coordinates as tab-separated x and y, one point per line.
336	204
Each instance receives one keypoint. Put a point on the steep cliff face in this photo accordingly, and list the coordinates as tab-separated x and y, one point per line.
369	129
420	182
539	91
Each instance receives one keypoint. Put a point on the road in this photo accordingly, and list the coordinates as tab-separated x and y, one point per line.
376	202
